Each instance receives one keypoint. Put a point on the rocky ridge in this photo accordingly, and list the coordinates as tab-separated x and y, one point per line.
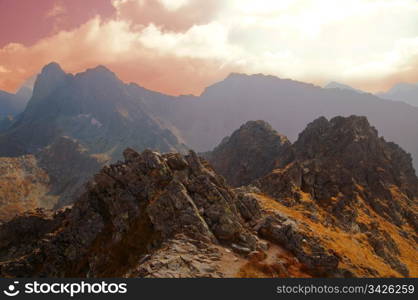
157	216
342	175
339	202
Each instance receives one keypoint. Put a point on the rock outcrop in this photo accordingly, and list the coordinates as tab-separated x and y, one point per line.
249	153
342	175
340	161
132	209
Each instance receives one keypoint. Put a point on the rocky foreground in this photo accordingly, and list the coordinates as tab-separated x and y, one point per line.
152	215
339	202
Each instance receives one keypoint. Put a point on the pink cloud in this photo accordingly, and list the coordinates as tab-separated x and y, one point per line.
25	22
144	12
112	44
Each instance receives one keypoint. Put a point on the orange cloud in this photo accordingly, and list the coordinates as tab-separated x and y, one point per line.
114	45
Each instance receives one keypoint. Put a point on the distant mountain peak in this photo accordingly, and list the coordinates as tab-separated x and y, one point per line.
341	86
403	86
100	74
402	91
100	69
258	80
51	77
236	75
52	68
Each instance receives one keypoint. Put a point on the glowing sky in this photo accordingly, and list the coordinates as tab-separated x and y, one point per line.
182	46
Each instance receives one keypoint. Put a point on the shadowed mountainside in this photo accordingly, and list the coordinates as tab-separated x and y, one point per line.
93	107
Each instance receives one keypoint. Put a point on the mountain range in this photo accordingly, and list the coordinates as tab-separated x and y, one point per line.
288	180
94	108
101	112
405	92
339	202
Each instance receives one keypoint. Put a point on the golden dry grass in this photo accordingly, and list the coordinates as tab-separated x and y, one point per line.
356	253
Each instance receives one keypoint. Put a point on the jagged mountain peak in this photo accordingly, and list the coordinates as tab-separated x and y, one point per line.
99	72
250	152
257	124
353	143
345	158
49	80
352	127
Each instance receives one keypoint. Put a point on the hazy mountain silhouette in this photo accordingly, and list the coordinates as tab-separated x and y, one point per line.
406	92
287	105
106	115
93	107
13	104
341	86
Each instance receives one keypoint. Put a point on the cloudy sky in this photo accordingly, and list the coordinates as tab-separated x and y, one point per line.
182	46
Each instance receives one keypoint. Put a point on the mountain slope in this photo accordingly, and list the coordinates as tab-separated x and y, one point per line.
53	177
93	107
13	104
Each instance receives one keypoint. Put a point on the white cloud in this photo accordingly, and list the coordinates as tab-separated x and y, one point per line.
173	4
304	39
